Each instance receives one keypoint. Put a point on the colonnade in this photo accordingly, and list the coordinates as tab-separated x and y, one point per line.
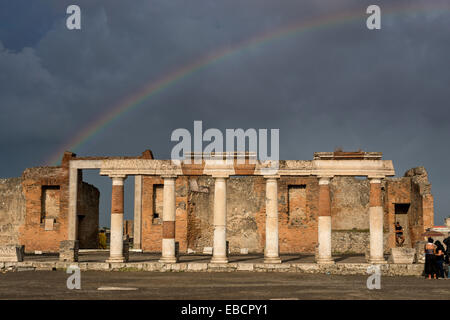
271	251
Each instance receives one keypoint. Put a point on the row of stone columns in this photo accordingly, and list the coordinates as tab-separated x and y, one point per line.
271	251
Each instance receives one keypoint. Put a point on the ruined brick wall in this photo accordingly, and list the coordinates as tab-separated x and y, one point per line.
353	241
12	210
152	197
349	203
245	214
398	192
33	234
422	201
46	192
297	232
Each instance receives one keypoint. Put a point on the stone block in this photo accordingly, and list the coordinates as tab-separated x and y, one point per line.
179	267
12	253
402	255
420	254
197	267
48	226
207	250
244	250
68	250
177	250
367	254
245	266
126	250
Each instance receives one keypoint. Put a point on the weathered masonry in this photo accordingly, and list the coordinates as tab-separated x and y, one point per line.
34	207
339	202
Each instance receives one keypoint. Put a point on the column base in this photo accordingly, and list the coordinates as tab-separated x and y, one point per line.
272	260
168	260
219	260
116	260
377	261
325	261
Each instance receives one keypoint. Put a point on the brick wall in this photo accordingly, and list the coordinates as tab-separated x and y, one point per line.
152	227
36	233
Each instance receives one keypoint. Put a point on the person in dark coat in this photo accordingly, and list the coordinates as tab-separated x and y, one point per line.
447	255
439	259
430	259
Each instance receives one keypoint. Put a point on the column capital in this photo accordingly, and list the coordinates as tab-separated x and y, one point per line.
324	180
375	179
272	176
118	176
169	176
220	176
117	180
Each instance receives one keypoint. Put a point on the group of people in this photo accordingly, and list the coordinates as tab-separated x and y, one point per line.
435	256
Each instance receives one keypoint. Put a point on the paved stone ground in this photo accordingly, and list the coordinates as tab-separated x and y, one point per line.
244	285
101	256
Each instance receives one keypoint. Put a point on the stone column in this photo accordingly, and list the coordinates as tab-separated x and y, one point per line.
137	212
116	239
376	222
169	210
271	250
220	221
73	195
324	226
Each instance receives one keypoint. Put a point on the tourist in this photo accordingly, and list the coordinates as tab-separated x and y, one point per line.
440	251
447	255
430	261
399	238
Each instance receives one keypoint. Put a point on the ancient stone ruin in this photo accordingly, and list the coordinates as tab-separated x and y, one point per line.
339	202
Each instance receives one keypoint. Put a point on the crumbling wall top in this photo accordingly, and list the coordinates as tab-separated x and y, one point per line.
348	155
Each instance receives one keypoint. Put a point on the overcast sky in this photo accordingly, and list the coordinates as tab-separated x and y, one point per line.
340	85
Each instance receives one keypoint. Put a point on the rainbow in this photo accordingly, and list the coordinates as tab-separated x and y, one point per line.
170	79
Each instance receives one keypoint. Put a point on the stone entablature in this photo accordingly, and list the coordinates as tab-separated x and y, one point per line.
372	168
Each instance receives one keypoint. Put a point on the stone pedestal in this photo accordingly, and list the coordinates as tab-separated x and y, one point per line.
402	255
12	253
177	250
126	250
68	250
420	254
207	250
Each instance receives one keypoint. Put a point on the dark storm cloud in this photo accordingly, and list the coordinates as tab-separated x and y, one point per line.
343	85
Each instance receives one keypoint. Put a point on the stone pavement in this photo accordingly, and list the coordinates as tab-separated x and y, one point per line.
95	260
217	286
